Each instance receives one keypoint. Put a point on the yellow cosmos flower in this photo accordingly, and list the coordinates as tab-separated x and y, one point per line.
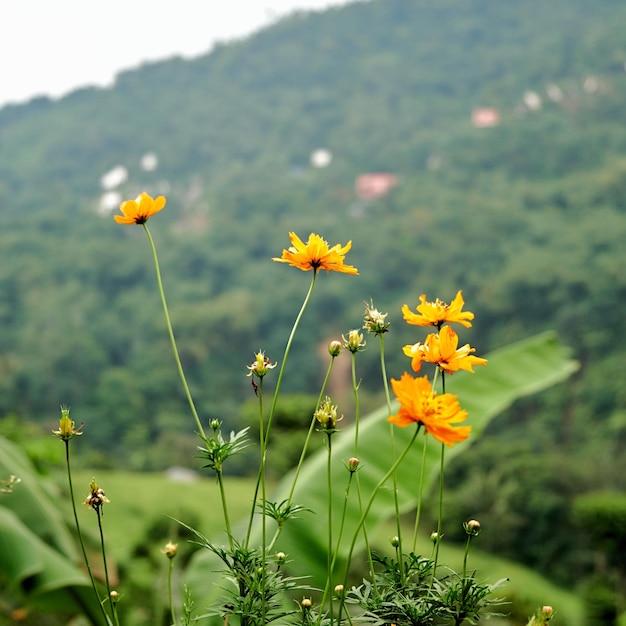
420	405
139	210
442	349
316	255
437	313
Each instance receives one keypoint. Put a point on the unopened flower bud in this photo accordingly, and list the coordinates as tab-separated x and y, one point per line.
395	541
170	549
353	464
334	348
114	597
280	558
339	590
306	604
215	424
434	537
472	528
547	611
354	342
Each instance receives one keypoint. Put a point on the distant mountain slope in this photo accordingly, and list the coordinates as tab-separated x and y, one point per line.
372	81
527	216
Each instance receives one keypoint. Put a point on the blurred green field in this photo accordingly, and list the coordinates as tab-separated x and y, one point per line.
141	500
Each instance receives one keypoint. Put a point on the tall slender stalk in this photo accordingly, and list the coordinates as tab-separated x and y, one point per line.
170	331
440	512
357	414
170	595
220	482
366	511
283	365
441	480
311	429
80	535
305	447
106	569
329	490
263	446
279	380
392	439
420	491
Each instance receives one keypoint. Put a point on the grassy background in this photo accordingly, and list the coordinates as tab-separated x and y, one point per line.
139	501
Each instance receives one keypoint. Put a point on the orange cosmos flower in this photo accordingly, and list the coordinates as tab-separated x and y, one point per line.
437	313
316	255
139	210
441	348
420	405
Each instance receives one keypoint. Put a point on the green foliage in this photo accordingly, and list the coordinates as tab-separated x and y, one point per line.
514	372
603	518
38	555
526	218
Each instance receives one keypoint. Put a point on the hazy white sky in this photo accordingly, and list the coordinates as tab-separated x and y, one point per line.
49	47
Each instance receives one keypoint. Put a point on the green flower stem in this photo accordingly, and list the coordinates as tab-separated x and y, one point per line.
441	478
366	511
106	569
220	482
80	535
311	429
260	483
279	381
263	447
467	547
418	512
305	447
329	490
355	389
286	355
440	515
169	591
170	331
392	439
341	526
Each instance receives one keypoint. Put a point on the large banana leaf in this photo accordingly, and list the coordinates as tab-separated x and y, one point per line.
33	499
515	371
37	554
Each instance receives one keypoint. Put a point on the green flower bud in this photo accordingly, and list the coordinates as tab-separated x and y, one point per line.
334	348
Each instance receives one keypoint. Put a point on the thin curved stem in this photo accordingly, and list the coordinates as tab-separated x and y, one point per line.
286	354
305	447
279	381
169	591
329	489
80	535
220	482
366	511
383	369
106	569
170	331
418	512
440	515
357	414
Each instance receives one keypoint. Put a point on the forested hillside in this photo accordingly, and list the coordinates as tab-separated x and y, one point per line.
526	216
